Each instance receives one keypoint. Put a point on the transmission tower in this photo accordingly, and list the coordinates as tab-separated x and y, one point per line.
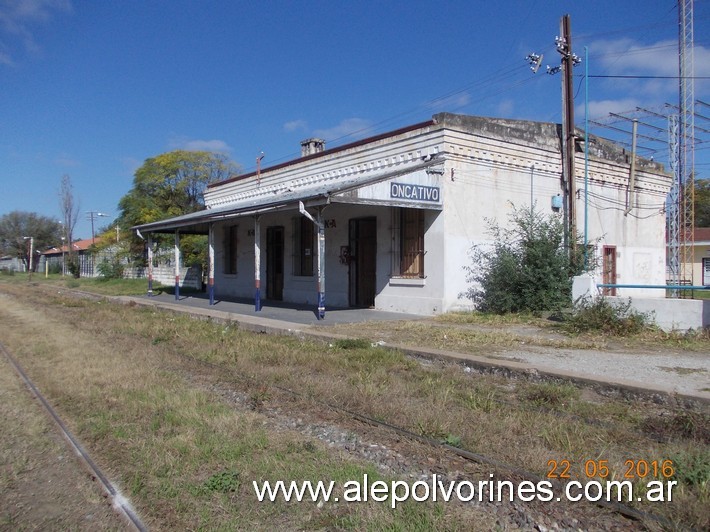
673	218
686	142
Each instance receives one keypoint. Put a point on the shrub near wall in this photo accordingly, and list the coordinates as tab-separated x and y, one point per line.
528	267
110	269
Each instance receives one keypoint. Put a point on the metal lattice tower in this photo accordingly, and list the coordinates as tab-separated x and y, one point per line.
673	204
686	141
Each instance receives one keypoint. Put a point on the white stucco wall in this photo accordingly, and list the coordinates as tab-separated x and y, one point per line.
480	177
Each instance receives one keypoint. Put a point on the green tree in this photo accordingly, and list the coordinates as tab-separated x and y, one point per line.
702	203
17	226
527	268
171	184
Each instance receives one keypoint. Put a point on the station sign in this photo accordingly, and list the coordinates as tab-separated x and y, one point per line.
413	192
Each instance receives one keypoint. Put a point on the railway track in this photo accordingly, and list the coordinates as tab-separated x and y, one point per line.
289	400
509	471
120	503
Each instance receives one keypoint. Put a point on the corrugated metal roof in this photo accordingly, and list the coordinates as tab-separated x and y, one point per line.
198	222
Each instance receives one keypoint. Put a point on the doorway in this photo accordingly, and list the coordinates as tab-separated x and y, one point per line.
609	270
275	263
362	274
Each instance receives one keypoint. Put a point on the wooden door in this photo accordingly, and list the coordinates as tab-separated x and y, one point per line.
363	262
275	263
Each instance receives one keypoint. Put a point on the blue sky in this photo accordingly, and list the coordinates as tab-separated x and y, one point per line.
93	88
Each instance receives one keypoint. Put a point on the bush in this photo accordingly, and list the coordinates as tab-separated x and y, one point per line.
110	269
528	268
73	266
603	315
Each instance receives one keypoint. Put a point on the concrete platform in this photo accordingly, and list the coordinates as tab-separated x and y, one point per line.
286	312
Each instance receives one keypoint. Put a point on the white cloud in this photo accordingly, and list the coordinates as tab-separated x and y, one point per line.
506	108
295	125
17	21
5	58
656	68
450	103
350	127
130	164
64	159
626	57
215	145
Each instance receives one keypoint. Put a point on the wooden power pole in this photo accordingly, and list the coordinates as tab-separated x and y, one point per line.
564	47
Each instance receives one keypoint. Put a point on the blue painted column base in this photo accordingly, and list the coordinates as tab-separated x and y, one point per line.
257	300
321	305
177	289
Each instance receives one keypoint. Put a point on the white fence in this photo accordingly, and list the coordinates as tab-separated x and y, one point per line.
189	277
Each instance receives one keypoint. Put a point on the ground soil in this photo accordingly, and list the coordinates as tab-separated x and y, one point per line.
42	482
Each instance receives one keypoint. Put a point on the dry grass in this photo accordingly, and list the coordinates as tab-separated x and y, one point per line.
477	339
118	372
110	371
487	334
40	480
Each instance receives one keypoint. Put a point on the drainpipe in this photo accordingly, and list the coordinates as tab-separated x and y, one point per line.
320	226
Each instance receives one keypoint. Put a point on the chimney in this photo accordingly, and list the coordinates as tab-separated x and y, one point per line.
311	146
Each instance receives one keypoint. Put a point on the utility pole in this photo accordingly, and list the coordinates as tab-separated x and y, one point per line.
567	63
91	215
564	47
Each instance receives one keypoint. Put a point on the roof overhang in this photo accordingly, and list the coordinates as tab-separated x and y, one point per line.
199	222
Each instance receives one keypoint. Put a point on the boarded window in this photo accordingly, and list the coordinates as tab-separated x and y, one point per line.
303	250
411	243
230	250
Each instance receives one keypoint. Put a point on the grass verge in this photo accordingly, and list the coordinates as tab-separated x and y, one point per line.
122	374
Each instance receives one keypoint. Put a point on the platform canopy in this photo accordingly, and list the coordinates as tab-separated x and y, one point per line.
414	193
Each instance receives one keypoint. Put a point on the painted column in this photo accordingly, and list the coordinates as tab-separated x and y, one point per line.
177	265
210	266
321	264
150	265
257	264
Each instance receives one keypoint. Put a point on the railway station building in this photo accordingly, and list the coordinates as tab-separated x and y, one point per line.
388	222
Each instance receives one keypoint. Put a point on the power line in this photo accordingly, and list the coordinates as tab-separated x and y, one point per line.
645	77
